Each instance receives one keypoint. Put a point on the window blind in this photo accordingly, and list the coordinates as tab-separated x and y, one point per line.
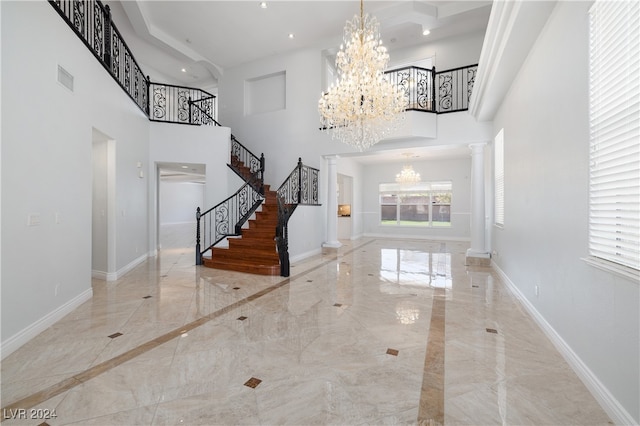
498	178
614	96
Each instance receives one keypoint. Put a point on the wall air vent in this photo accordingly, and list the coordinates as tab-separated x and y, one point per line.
65	78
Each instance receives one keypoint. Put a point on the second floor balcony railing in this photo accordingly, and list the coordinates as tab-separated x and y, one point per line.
91	21
426	90
430	91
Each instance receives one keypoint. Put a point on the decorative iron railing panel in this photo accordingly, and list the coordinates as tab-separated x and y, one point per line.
417	85
203	110
91	21
242	157
300	188
174	104
225	219
431	91
454	88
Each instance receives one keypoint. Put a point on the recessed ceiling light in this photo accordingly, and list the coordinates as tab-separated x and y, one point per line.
426	32
263	4
291	35
185	167
183	70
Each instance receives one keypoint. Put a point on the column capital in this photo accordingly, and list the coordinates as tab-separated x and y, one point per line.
477	146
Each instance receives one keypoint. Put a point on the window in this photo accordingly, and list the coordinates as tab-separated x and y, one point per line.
614	94
498	178
420	204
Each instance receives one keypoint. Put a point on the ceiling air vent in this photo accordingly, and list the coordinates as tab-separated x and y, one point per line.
65	78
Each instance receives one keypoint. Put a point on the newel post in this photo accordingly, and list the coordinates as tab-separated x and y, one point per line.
433	90
198	253
148	81
299	180
262	174
107	37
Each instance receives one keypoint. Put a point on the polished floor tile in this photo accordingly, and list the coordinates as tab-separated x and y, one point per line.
375	332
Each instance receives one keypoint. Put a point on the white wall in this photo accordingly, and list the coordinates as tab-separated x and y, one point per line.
456	170
47	169
446	53
545	236
284	135
179	200
351	168
293	132
173	143
99	229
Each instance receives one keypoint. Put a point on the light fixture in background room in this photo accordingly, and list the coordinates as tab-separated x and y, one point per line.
362	107
407	175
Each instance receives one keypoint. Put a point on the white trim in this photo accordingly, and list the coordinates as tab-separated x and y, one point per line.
609	403
511	32
417	237
17	340
102	275
113	276
614	268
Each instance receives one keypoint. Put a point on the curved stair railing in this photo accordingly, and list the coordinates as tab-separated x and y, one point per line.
300	188
226	218
247	165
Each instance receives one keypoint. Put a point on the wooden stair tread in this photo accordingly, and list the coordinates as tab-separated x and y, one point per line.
255	250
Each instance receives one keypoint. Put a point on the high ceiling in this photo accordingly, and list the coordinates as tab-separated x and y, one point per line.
207	37
193	43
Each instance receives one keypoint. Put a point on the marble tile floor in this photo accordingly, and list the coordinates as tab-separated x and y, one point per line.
375	332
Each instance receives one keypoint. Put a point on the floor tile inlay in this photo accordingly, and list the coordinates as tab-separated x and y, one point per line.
114	335
492	330
253	382
184	358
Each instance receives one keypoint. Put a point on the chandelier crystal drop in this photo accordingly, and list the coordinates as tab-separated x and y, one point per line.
362	107
408	175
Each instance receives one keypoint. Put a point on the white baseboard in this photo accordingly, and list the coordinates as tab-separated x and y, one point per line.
14	342
417	237
608	402
102	275
113	276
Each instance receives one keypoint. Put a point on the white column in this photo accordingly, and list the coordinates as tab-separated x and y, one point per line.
332	203
478	248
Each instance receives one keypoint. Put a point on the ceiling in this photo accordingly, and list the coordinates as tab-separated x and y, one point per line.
193	43
205	38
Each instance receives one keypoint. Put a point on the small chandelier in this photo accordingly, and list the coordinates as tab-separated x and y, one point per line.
407	175
362	107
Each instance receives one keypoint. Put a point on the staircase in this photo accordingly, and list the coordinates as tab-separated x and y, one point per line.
254	251
255	219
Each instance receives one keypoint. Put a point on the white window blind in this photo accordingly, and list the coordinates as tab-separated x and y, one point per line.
614	190
498	178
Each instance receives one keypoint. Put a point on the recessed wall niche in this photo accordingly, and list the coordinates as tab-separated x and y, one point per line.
266	93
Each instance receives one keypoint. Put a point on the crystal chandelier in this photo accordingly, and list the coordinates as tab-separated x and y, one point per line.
407	174
362	107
